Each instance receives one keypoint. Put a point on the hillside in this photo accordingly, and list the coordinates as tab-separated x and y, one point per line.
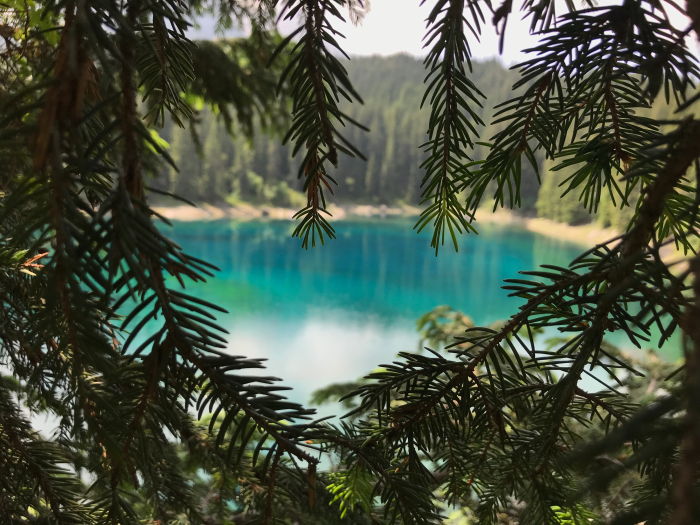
261	170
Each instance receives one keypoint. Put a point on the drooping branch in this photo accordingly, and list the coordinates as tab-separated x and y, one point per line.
454	118
684	491
319	82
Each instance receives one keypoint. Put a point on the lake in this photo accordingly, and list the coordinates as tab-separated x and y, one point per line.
337	311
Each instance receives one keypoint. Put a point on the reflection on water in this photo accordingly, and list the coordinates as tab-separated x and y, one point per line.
381	269
321	349
335	312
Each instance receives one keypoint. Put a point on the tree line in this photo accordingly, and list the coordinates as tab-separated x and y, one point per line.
218	167
263	169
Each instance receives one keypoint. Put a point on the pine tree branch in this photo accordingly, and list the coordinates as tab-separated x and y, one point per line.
465	371
454	100
318	82
283	436
685	479
681	157
693	11
414	502
268	515
131	157
631	248
611	105
50	482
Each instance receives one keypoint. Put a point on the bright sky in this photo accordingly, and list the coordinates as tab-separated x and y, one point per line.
398	26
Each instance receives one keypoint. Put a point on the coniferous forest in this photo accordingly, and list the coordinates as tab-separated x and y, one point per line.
221	168
392	89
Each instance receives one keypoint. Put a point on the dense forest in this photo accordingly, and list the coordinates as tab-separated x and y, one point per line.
218	168
262	169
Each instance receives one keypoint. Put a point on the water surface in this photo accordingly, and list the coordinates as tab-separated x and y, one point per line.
335	312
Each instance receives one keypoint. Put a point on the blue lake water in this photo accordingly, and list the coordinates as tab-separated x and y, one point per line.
335	312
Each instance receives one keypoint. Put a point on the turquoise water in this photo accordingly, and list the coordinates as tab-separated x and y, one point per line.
335	312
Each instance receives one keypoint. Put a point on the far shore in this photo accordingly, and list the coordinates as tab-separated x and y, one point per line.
584	235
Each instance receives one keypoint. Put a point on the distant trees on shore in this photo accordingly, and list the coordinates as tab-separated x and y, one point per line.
218	168
392	89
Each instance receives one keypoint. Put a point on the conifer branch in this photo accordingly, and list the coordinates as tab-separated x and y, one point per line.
684	507
489	426
319	82
454	102
131	157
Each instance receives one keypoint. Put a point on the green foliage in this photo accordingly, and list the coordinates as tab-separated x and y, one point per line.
453	120
98	331
392	92
557	204
85	269
442	326
251	187
319	81
351	489
234	78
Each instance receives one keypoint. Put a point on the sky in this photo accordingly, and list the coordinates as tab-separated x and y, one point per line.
397	26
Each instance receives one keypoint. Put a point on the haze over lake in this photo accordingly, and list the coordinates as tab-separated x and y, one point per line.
337	311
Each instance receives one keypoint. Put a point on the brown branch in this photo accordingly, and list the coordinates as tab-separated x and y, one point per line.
543	86
271	482
454	11
313	26
680	157
73	81
686	473
693	12
611	104
632	245
131	158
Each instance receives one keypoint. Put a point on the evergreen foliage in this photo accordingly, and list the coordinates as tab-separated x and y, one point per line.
392	90
98	331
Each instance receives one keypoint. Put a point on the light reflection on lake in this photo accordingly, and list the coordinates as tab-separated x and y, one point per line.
320	349
335	312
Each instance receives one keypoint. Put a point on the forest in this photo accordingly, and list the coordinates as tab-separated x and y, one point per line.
217	167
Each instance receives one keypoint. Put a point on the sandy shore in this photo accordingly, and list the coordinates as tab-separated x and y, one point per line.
585	235
205	212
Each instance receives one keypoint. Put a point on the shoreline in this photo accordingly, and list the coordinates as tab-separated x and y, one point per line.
584	235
